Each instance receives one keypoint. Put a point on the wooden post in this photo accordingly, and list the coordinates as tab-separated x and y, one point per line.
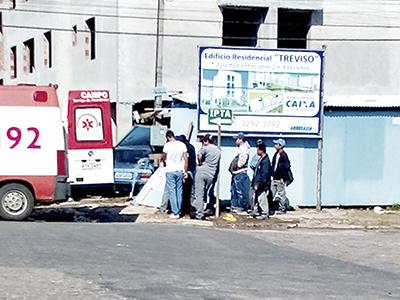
217	209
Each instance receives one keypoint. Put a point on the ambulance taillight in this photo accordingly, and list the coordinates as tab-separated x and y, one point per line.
61	163
40	96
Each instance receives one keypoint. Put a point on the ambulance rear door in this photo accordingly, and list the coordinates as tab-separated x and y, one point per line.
90	148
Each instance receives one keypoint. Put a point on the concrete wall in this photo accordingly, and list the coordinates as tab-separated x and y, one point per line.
71	68
125	62
303	156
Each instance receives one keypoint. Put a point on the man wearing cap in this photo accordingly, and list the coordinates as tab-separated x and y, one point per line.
261	183
208	160
280	168
240	184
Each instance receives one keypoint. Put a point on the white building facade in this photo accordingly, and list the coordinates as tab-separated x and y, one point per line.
131	46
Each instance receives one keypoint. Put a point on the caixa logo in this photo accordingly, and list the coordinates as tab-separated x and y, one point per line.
300	103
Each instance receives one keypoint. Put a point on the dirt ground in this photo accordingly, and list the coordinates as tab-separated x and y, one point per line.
105	210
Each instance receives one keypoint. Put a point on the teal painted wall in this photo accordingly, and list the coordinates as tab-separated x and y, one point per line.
303	156
361	158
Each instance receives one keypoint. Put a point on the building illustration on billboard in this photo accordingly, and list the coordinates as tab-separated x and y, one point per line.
269	91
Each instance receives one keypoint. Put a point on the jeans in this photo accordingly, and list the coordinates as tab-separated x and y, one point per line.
240	190
164	201
203	183
279	193
174	185
260	203
188	192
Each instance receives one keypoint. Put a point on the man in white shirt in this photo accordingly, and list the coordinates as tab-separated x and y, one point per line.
176	158
240	183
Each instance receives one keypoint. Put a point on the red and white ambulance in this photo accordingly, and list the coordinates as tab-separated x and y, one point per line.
32	150
90	144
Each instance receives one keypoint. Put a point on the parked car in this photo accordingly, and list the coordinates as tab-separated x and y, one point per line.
131	159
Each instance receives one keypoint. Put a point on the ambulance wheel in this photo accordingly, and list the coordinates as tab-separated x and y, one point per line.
16	202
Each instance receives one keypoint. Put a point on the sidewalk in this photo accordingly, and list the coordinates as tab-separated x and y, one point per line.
330	218
120	210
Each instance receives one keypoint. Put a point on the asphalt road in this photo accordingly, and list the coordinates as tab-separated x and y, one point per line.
162	261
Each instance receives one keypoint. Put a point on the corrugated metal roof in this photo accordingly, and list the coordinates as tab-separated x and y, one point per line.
184	97
363	101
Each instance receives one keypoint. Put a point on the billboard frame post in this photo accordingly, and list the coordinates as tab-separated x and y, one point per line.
218	208
318	206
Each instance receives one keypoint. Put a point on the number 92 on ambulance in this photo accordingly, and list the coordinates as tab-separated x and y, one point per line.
33	165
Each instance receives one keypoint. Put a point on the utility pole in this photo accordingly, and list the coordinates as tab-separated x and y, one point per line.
159	52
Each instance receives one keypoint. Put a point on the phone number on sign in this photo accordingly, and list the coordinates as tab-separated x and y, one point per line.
259	124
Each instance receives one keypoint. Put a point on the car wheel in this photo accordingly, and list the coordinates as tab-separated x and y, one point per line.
16	202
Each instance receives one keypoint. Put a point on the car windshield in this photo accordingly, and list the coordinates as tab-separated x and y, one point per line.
137	136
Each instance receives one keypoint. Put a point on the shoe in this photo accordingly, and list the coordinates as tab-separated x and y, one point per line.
281	212
208	212
234	209
241	212
262	217
172	216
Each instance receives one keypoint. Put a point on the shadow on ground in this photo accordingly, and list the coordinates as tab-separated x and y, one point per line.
82	214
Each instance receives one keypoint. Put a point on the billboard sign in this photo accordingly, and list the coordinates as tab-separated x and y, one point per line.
269	92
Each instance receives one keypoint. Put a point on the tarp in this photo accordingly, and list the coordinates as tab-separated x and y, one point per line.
152	192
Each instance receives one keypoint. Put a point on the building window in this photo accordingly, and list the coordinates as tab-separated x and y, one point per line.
48	59
293	26
12	4
13	62
74	35
29	56
241	24
230	86
90	39
1	23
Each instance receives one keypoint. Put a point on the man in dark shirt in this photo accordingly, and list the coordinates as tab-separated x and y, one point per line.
280	168
261	183
188	186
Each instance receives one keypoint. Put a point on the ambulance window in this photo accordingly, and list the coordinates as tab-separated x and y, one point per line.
89	124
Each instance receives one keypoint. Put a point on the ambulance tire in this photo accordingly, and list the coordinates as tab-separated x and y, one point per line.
25	199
